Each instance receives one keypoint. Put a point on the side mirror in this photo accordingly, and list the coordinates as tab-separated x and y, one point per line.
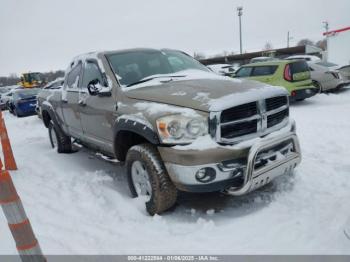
95	88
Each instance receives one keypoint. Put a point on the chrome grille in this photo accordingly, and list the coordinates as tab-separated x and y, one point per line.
249	120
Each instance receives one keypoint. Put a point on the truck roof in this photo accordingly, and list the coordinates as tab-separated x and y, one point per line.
107	52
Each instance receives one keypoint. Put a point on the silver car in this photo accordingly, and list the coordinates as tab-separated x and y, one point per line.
4	98
325	78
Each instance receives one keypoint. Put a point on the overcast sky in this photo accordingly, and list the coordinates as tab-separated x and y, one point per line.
44	35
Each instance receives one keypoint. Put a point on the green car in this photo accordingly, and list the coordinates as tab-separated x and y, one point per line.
294	75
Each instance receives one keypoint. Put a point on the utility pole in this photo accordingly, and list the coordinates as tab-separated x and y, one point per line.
326	26
240	13
289	38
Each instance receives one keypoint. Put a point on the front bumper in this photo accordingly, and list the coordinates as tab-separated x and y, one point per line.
301	94
239	170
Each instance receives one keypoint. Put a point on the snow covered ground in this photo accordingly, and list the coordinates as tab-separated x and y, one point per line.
80	204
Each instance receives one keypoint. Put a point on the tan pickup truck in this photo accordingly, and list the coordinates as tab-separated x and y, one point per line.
175	124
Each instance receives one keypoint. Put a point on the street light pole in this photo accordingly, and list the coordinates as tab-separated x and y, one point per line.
288	39
240	13
326	26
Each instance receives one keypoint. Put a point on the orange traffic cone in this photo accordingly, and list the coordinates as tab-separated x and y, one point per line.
10	163
18	222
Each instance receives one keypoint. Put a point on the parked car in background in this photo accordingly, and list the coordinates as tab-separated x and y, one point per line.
4	90
294	75
46	91
222	69
4	98
308	58
326	79
262	59
345	71
23	102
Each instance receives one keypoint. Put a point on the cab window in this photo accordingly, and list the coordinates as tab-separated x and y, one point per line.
73	77
91	72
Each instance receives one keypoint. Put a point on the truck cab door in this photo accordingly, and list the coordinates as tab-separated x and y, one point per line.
70	101
97	112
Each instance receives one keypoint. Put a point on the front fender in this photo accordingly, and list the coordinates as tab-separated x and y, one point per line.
137	125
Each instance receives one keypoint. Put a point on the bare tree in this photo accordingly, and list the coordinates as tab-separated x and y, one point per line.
322	44
305	41
268	46
198	56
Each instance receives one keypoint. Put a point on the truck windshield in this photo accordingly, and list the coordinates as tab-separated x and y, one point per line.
131	67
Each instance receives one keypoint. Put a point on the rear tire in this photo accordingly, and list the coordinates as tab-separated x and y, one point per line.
59	140
163	192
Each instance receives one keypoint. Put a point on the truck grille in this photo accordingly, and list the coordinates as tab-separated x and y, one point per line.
249	120
277	118
276	102
239	112
239	129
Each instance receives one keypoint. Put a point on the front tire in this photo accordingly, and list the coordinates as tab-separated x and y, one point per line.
148	178
59	140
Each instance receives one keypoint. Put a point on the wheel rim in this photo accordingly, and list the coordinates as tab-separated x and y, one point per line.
140	180
53	138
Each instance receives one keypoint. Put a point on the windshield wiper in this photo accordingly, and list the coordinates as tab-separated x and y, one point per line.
153	77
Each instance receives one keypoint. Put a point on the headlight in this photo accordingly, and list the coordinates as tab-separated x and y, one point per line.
178	129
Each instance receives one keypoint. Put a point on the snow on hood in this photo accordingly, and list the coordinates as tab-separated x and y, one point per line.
204	91
189	74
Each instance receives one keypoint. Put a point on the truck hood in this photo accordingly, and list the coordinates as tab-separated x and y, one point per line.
215	94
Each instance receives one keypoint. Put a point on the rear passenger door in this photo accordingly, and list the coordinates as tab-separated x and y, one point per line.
70	101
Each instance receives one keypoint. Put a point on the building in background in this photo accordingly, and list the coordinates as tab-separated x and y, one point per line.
338	42
274	53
